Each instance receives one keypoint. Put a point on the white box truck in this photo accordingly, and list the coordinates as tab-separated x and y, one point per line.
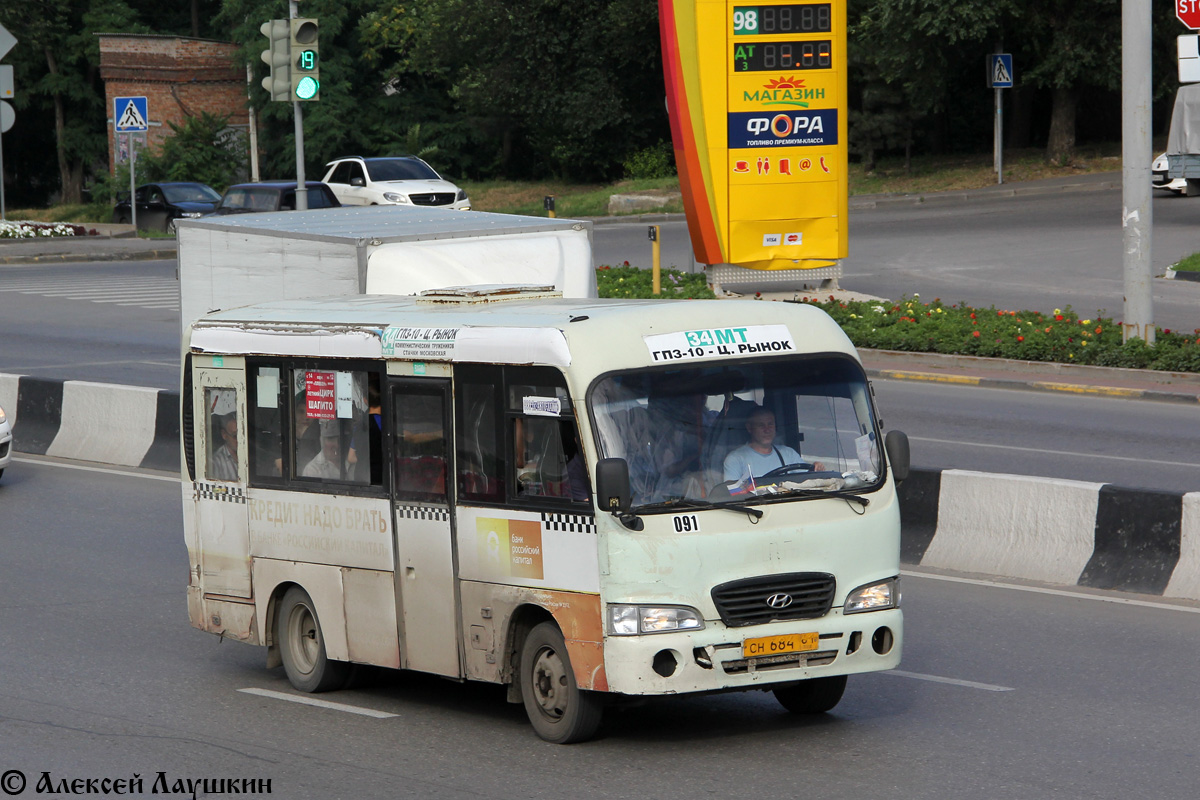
231	261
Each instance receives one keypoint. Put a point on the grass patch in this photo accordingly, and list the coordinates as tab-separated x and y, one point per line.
570	200
1189	264
626	282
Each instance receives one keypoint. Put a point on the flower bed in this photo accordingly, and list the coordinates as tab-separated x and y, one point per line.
915	326
35	230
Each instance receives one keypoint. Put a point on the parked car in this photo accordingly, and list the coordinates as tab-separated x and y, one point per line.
249	198
1159	179
392	180
5	441
160	204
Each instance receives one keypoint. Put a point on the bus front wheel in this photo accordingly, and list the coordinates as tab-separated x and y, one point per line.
560	711
813	696
302	646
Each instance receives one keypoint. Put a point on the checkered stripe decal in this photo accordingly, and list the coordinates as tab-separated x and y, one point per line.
435	513
571	523
219	491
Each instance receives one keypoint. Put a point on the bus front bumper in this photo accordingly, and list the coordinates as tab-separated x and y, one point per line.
715	658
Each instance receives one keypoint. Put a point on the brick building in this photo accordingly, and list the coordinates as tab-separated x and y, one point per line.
179	76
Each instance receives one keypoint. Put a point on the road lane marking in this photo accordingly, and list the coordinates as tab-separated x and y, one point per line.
106	470
312	701
987	687
1053	592
1055	452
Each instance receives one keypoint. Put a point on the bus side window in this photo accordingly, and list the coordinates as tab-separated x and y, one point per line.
480	459
420	445
547	459
221	462
266	423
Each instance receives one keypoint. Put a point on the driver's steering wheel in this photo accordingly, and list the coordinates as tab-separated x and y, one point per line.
787	469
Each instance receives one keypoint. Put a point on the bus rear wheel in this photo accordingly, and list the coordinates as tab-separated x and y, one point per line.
558	709
302	646
813	696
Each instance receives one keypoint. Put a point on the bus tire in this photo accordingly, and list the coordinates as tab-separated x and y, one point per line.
813	696
558	709
302	646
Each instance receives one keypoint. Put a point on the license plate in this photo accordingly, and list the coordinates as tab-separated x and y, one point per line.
777	645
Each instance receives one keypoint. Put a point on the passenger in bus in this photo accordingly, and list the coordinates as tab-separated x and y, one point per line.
761	455
326	464
224	466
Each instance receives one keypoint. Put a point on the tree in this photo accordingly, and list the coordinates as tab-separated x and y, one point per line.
551	86
1070	44
201	149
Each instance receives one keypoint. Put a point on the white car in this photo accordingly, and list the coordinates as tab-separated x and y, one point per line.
5	441
1159	179
392	180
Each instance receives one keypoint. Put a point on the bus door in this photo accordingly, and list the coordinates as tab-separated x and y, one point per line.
219	490
425	552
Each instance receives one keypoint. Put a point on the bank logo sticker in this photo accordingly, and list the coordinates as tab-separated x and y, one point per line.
770	239
720	342
783	91
509	547
818	127
793	238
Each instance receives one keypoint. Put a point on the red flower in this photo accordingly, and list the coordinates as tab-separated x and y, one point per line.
1020	338
1166	330
972	315
627	263
1097	329
1058	317
975	334
999	313
1069	339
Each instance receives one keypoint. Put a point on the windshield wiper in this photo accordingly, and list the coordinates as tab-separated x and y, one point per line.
846	494
685	502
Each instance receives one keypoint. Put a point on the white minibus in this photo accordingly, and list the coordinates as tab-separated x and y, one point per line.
580	499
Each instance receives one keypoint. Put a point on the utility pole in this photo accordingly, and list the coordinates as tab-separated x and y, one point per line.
298	117
1136	155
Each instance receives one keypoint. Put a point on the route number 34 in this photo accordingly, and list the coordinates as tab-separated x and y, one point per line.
686	523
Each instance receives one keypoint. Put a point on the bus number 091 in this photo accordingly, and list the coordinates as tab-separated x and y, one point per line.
686	523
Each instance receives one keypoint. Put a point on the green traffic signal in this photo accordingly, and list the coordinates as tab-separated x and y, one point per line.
307	88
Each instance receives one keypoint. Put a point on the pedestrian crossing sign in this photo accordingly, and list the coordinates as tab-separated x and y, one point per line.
130	114
1000	71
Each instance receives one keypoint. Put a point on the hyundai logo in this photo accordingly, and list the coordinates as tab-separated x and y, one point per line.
779	600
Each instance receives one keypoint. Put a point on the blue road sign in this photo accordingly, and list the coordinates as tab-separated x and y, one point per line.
130	114
1000	71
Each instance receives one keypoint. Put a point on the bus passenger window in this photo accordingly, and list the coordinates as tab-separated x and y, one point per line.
480	452
266	424
420	445
331	436
221	463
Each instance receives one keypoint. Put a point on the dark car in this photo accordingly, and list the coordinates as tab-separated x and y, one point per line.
160	204
249	198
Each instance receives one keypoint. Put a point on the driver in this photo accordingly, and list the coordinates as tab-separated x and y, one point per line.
761	455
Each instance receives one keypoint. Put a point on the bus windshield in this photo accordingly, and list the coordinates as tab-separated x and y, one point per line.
780	429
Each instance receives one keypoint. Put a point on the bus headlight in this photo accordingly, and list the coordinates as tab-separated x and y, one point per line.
633	620
873	597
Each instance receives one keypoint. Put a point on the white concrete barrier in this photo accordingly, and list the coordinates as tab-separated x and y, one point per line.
105	422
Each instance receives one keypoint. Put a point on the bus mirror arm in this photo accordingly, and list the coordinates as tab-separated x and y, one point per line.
896	444
612	491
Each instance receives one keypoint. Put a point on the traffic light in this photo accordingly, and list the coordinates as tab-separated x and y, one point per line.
278	57
305	60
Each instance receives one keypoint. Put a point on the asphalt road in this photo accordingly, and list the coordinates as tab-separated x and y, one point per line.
1003	693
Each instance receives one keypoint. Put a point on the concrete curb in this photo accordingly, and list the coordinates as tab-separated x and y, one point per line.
1054	531
129	426
59	258
1012	526
1041	386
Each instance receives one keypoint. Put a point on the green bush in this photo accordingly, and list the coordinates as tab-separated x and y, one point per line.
656	161
628	282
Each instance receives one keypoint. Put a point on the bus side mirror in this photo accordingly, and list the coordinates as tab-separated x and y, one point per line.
896	444
612	484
